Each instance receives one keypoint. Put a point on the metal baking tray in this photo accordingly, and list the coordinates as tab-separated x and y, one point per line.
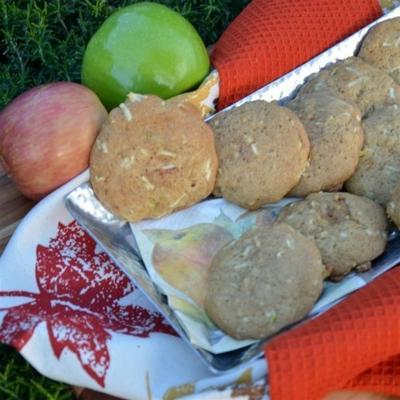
116	238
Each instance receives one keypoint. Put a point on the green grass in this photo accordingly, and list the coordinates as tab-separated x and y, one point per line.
19	381
43	41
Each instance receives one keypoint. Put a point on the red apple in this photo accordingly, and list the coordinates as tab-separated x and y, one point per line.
46	135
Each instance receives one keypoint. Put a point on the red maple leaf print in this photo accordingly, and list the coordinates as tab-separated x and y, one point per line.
79	293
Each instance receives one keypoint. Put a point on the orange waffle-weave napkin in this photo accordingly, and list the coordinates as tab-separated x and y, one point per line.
272	37
355	345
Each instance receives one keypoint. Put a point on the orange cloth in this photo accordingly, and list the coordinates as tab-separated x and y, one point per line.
272	37
354	345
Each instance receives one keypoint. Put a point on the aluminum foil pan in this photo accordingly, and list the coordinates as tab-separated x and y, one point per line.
116	237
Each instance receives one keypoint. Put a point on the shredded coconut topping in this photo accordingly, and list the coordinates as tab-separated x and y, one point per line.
290	243
248	139
354	71
356	81
240	266
168	167
254	149
207	169
247	251
125	110
147	184
134	97
127	162
166	153
391	168
102	146
270	314
178	200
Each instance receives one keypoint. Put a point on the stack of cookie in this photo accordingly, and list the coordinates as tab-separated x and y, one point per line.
153	157
351	114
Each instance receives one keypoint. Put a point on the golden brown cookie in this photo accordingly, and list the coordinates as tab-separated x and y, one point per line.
152	158
356	81
267	279
349	230
381	47
336	135
378	170
262	150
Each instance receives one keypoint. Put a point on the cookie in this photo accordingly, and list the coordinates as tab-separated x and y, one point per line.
349	230
262	150
336	136
152	158
267	279
378	170
356	81
380	47
393	205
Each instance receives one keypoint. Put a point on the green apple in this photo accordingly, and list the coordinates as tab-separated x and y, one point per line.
145	48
